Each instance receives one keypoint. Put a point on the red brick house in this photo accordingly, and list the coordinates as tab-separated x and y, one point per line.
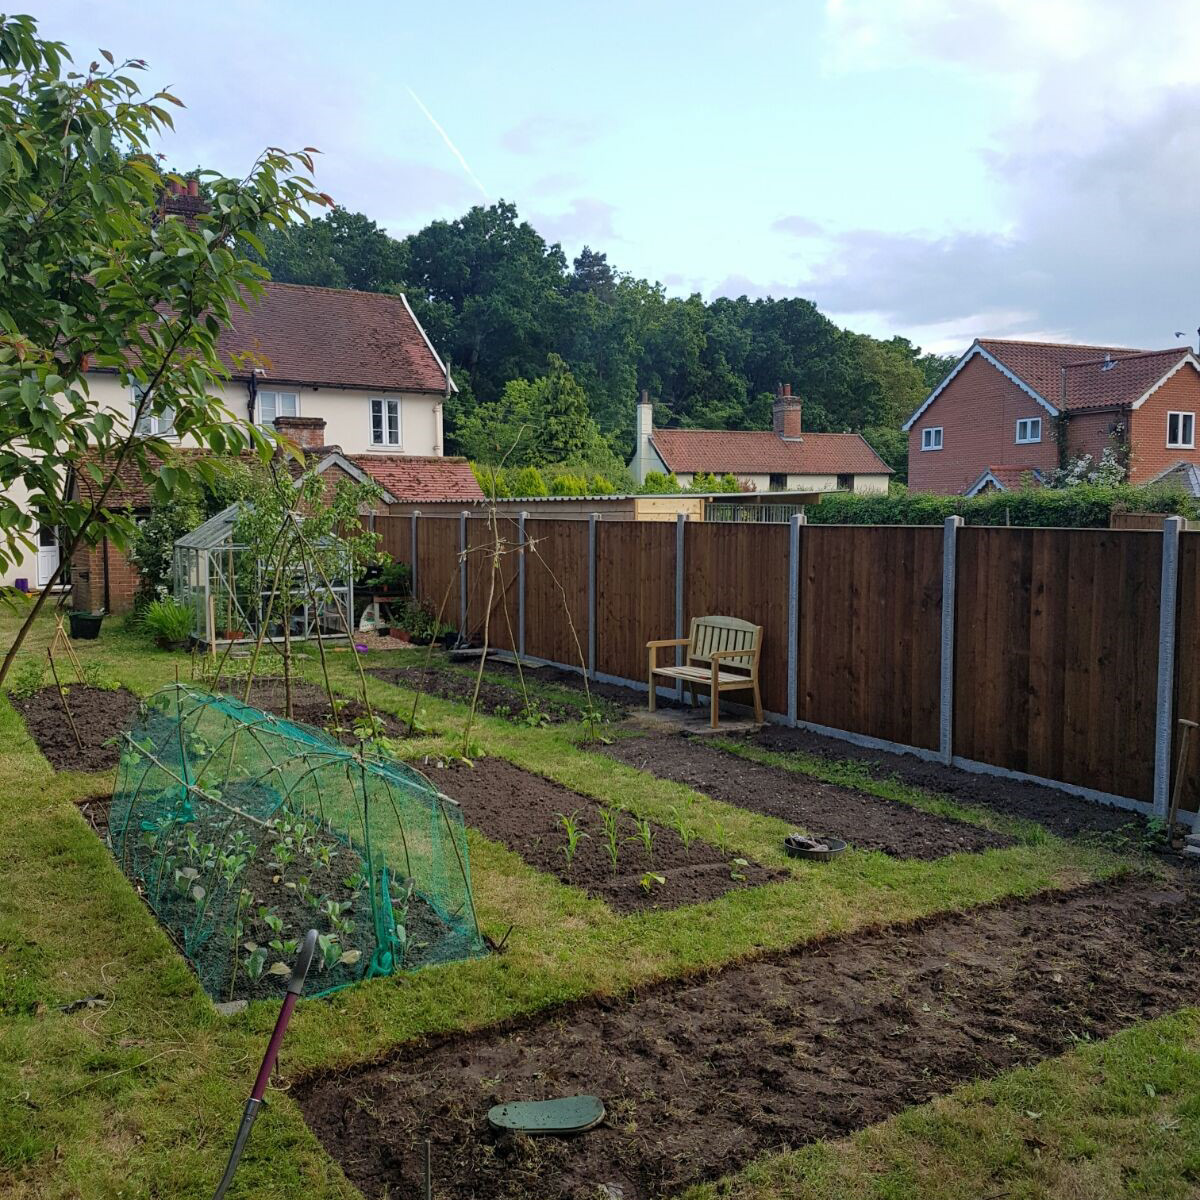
1010	412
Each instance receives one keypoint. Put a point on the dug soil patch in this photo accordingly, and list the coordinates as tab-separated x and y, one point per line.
700	1077
495	699
1059	812
865	821
310	706
618	701
100	716
523	811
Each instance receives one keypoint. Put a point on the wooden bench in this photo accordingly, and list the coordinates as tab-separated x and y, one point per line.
722	655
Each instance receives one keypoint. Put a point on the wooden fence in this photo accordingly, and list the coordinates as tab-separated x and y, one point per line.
1064	655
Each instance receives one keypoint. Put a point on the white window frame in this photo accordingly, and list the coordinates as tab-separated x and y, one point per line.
275	394
390	423
1186	421
929	441
161	425
1033	430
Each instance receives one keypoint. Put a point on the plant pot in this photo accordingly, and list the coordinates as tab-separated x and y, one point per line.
401	635
232	635
164	643
420	639
449	639
85	625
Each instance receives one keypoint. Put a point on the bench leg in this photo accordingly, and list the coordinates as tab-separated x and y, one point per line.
653	693
758	711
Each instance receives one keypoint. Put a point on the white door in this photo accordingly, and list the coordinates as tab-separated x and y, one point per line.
47	559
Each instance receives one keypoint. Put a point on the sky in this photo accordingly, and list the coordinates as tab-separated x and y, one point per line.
939	169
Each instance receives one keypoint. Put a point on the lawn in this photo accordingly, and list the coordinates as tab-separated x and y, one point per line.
117	1076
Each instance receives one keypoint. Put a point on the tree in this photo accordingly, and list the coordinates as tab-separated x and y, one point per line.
94	276
342	249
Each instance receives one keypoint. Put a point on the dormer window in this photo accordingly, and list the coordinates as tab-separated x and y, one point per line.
1029	429
931	439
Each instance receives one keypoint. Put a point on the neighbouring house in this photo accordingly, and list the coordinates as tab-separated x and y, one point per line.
784	458
1011	412
358	363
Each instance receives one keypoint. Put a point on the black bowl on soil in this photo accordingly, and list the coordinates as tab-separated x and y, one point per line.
829	847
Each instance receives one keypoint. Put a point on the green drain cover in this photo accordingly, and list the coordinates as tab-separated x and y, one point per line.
571	1114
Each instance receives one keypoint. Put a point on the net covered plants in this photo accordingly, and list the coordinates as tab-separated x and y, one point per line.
243	829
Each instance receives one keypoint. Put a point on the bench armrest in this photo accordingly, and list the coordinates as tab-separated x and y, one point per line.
719	654
666	642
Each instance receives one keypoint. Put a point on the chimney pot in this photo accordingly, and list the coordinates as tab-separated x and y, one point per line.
193	187
787	414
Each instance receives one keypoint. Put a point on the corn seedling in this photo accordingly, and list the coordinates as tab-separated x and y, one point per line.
687	835
610	816
645	835
574	835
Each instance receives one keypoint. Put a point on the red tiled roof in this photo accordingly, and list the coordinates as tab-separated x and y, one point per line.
1012	479
130	490
1040	364
410	478
329	337
752	453
1118	380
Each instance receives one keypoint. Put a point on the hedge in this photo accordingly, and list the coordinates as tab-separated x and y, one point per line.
1086	505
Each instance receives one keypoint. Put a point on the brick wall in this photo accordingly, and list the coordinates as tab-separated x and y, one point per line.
1149	455
978	414
1091	432
87	579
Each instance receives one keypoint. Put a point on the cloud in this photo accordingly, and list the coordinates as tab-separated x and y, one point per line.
587	220
536	135
802	227
733	286
1098	181
555	184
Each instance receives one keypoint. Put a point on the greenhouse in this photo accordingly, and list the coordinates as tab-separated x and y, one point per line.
233	593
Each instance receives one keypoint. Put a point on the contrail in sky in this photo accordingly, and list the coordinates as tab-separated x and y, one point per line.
466	166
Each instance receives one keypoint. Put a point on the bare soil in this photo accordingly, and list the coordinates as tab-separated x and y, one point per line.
620	700
865	821
1058	811
523	811
100	716
495	699
310	706
703	1075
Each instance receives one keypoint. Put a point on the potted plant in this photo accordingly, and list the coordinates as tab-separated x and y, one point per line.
168	622
85	625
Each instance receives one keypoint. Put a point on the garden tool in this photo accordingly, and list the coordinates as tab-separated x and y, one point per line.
294	988
1185	729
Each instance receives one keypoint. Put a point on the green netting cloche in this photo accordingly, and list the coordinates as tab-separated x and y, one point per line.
243	830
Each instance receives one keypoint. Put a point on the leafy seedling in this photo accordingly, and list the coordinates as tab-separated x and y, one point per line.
645	835
610	816
574	835
687	835
737	869
650	881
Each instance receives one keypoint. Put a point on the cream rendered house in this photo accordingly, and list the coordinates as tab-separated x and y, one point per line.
358	361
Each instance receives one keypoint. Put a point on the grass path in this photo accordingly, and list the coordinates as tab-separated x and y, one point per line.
137	1092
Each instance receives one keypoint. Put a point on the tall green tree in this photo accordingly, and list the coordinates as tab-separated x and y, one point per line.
342	249
92	275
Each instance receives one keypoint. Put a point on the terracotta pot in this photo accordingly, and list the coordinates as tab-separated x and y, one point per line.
401	635
233	635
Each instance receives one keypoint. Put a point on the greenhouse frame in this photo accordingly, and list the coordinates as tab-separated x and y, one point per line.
228	589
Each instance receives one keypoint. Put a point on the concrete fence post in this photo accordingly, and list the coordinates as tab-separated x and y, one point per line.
521	584
1164	710
591	596
680	535
462	571
949	588
793	638
415	515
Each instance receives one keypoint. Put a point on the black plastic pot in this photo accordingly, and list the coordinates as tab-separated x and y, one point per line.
450	639
85	625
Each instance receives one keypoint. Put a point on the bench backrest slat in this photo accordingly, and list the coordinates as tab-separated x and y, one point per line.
710	635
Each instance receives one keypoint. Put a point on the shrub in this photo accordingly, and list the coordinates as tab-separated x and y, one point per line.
167	621
1085	505
569	485
659	484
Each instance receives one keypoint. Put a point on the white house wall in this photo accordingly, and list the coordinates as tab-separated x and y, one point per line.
863	484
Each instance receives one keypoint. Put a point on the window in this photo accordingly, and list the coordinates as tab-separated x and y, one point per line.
931	439
1181	430
845	483
275	404
1029	429
151	424
385	422
778	483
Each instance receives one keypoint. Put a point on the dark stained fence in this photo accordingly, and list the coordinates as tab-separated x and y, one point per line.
870	631
742	571
437	566
1057	653
635	593
395	537
556	577
492	569
1187	655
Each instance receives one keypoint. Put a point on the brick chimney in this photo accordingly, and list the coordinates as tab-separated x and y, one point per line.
183	200
308	432
786	414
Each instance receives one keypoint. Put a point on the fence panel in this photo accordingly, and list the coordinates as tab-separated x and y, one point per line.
556	575
635	593
482	562
870	630
395	537
1187	675
1056	654
742	571
437	565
